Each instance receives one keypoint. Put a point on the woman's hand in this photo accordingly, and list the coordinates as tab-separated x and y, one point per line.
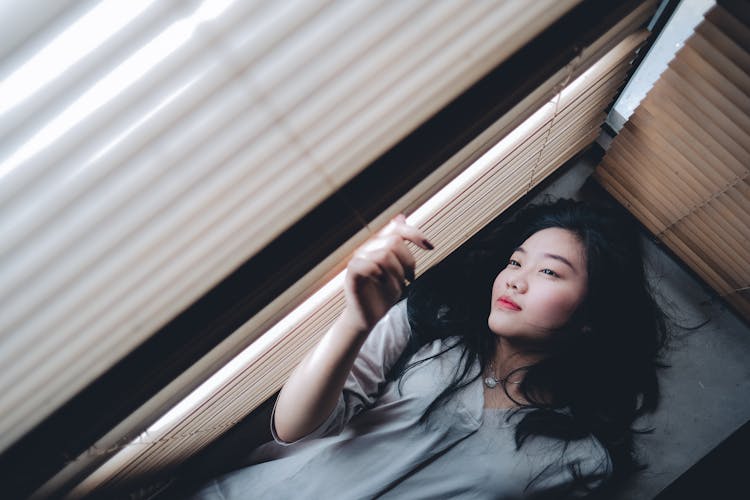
374	282
376	274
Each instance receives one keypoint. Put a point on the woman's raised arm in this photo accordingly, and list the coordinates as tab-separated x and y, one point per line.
373	284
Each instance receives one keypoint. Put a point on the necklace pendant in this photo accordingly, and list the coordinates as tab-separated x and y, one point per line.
490	382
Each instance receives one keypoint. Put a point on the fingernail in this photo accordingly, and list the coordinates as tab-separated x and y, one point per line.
427	244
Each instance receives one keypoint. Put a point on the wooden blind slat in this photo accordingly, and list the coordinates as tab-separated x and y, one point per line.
681	162
140	175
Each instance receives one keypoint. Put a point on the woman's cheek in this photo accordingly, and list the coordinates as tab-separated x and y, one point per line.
558	306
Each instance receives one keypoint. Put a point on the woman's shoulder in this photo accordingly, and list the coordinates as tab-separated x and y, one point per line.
443	350
591	453
395	323
593	464
586	452
443	343
575	467
589	458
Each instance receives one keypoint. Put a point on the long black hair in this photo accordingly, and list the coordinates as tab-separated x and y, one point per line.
602	369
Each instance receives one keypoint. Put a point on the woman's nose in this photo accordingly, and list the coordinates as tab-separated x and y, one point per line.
517	284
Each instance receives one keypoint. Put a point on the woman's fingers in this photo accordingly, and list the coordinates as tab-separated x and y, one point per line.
404	256
377	272
386	264
382	275
394	267
408	232
389	249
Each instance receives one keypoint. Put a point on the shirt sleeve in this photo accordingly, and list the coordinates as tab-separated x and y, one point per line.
363	385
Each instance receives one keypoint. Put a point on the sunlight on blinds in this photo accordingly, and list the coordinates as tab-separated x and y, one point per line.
522	159
147	149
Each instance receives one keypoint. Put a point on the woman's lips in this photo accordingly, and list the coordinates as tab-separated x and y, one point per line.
508	304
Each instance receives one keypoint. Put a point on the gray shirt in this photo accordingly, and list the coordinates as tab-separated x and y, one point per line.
372	446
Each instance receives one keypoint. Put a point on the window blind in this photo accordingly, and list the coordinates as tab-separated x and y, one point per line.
143	144
680	164
528	77
524	157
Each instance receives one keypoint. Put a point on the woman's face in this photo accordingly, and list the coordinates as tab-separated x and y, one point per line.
546	278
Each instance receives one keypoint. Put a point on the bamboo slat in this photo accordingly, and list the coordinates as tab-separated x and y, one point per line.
680	164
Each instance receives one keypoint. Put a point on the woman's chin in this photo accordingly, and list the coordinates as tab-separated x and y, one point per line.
500	324
510	332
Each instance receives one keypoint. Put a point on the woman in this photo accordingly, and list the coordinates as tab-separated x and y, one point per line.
514	369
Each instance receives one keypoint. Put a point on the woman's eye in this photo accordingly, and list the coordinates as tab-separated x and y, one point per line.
512	262
548	271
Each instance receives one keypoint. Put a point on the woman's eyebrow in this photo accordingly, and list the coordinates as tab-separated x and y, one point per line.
552	256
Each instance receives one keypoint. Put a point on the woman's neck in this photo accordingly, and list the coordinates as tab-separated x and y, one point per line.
510	357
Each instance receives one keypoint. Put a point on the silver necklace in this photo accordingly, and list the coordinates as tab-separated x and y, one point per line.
491	381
